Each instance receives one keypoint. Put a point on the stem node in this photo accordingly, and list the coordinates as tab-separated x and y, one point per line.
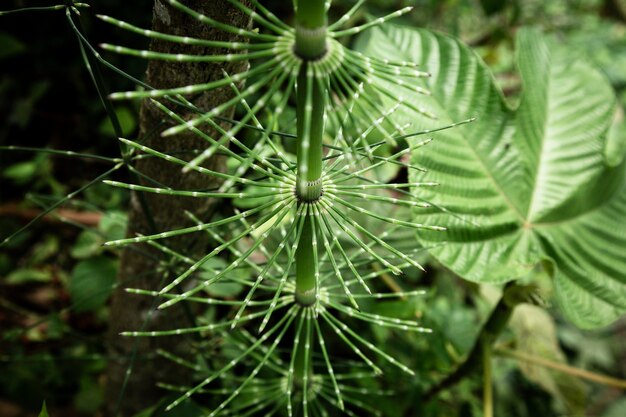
310	191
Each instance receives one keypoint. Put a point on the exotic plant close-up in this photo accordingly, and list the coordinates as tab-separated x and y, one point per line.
311	210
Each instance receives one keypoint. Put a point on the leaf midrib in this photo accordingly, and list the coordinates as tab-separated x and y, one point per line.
523	219
540	166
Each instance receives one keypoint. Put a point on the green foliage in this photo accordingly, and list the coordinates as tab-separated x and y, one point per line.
91	283
530	185
490	242
10	45
535	333
89	243
127	120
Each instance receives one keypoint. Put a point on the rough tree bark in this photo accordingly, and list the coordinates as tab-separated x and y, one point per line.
140	268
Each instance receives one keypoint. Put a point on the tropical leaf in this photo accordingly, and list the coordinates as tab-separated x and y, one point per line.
526	186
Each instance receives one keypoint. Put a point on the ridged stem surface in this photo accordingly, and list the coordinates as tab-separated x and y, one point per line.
310	128
310	45
311	22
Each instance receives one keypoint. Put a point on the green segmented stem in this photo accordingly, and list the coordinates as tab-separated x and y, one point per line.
311	95
310	128
312	200
303	366
305	277
291	372
311	29
311	102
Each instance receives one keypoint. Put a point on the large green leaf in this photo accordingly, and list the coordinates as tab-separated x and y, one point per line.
521	186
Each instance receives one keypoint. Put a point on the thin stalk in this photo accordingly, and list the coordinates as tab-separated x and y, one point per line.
306	284
561	367
311	100
487	381
513	295
311	34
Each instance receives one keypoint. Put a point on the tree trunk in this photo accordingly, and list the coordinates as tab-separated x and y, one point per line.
140	264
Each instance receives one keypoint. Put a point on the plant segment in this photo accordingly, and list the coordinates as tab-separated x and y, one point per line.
317	219
310	46
277	62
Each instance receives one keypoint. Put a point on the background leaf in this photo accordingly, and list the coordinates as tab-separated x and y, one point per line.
91	283
529	185
10	45
535	333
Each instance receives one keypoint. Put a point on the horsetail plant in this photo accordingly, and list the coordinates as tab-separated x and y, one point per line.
319	228
311	221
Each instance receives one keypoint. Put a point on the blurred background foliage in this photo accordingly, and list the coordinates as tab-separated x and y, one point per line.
55	278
